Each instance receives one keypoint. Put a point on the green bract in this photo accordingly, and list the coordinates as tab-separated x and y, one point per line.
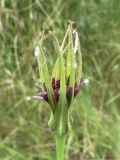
63	84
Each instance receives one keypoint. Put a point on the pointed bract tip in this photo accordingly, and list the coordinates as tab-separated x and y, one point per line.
76	42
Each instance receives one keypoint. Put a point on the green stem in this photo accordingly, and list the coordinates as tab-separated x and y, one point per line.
60	146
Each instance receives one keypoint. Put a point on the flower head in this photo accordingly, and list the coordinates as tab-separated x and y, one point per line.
60	89
56	88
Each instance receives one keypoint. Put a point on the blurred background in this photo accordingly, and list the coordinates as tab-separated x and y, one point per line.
24	134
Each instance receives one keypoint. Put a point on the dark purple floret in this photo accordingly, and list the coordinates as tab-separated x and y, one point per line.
53	83
57	83
45	96
76	90
68	92
56	88
56	93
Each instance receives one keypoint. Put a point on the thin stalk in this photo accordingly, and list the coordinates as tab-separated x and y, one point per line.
60	147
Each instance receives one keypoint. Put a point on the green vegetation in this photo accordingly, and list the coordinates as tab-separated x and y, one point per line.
24	134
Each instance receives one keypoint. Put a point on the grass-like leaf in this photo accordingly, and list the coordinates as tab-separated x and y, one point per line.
46	75
55	73
70	72
62	110
61	69
79	63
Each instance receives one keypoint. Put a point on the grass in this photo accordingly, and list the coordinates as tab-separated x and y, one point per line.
24	133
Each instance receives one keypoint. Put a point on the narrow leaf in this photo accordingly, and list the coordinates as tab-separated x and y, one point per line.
71	60
79	67
40	66
55	73
61	70
47	79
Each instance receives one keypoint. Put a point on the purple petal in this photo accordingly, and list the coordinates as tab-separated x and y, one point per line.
45	96
86	81
81	85
38	97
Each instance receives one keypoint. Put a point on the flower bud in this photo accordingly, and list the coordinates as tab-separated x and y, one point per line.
61	87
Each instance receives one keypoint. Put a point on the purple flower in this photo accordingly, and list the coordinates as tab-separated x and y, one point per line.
43	95
61	87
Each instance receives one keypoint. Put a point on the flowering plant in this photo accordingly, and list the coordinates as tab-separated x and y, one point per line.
60	89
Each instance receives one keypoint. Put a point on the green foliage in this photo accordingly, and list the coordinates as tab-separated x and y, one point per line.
23	129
